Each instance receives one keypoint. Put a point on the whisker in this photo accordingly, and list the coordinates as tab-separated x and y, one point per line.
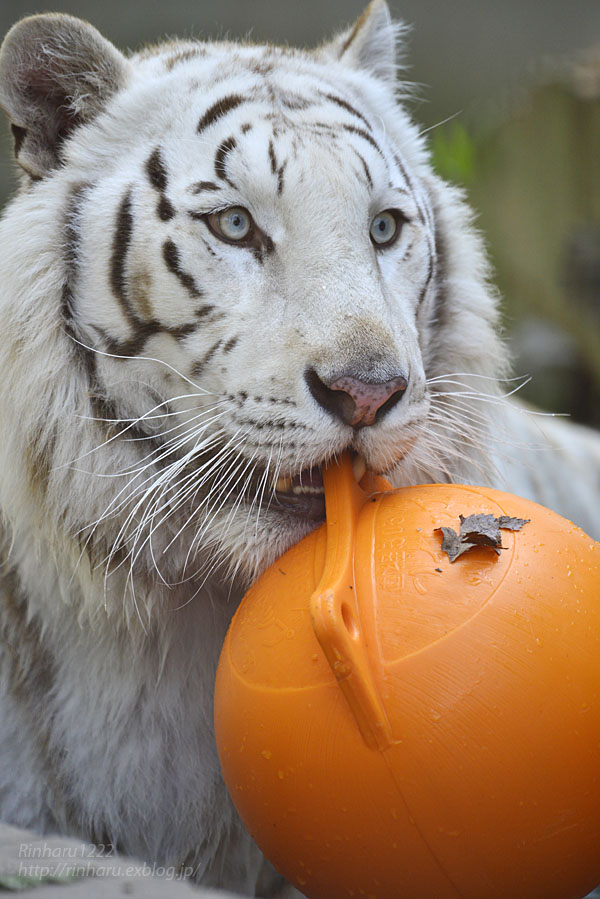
132	423
471	374
143	359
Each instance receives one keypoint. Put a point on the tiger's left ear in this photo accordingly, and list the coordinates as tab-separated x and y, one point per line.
370	44
56	73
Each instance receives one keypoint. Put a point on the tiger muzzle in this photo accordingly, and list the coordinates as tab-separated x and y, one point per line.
358	403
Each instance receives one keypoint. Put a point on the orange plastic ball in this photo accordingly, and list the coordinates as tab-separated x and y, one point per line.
394	725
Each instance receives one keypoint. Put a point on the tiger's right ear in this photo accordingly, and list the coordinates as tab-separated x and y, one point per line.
56	72
370	44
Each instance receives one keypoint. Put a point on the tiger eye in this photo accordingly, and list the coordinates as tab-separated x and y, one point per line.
233	224
386	227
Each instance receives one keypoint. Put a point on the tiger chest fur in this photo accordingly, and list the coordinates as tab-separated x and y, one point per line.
227	264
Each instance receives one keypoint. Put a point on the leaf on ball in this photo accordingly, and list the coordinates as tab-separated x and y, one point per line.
512	524
478	530
484	530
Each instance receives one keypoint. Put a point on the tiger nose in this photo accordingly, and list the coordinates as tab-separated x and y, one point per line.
356	402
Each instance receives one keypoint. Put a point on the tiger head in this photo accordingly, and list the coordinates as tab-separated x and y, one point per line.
235	262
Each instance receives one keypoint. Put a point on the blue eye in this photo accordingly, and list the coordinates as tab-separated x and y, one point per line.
234	223
385	228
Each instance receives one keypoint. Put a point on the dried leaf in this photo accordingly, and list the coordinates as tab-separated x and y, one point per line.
452	543
478	530
512	524
483	530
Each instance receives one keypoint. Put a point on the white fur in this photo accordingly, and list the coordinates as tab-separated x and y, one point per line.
106	703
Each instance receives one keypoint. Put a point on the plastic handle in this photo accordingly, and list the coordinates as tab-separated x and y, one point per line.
335	607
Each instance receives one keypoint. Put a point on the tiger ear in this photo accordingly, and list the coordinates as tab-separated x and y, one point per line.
369	44
56	73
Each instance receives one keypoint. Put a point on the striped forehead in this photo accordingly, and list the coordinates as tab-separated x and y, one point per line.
265	127
222	92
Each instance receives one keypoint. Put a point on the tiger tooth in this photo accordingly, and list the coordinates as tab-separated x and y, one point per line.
313	491
359	466
283	484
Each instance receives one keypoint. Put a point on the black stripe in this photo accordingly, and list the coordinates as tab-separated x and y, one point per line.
246	127
231	343
262	245
295	101
183	56
134	345
156	171
272	157
199	366
280	178
365	167
407	255
219	109
364	134
199	186
165	209
171	258
180	332
404	172
205	242
221	155
118	259
277	401
143	332
203	311
348	108
86	357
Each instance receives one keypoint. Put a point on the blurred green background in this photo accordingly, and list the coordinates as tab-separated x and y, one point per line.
511	94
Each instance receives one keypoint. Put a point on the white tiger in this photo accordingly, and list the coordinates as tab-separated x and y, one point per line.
227	263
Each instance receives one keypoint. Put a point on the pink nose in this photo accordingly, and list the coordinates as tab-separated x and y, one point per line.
357	403
367	399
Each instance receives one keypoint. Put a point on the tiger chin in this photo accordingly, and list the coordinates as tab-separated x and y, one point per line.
226	264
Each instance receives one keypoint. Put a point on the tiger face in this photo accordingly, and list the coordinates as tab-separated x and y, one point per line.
252	271
281	298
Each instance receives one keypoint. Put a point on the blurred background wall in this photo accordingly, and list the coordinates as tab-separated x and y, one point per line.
511	93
